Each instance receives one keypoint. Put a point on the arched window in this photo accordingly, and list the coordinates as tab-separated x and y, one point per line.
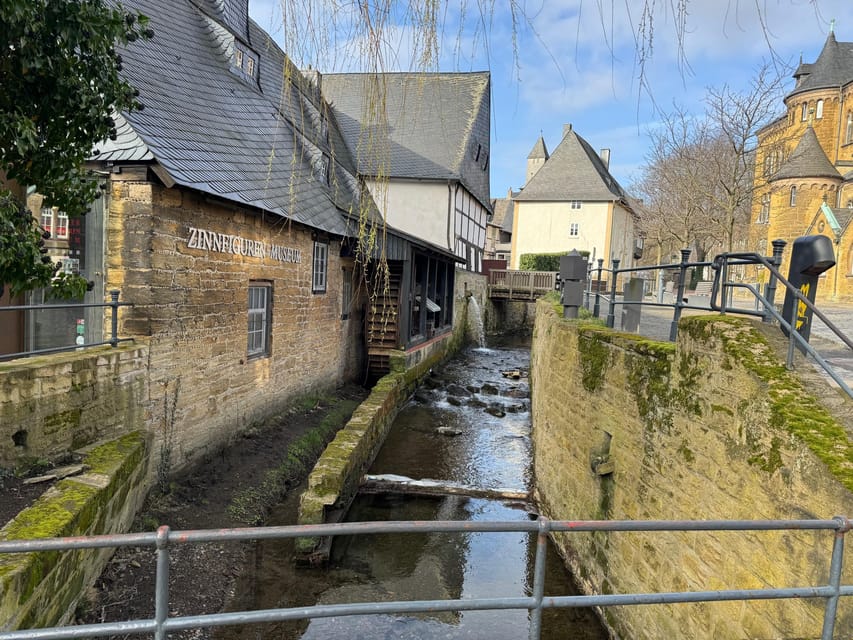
764	213
794	196
848	138
818	113
804	112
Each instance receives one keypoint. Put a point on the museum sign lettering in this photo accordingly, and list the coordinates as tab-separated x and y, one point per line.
235	245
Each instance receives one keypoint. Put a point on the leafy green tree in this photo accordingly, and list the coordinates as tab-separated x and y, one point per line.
60	81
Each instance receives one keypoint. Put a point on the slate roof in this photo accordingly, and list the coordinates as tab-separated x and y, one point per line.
434	126
502	208
574	171
539	150
807	160
833	67
259	143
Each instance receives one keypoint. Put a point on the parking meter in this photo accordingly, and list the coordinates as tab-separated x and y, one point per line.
572	274
810	257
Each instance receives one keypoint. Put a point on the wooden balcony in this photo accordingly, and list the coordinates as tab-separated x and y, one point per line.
520	285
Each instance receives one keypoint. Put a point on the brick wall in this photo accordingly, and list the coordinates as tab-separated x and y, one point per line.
193	304
711	428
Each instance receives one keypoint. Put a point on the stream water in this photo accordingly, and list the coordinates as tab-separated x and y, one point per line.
468	423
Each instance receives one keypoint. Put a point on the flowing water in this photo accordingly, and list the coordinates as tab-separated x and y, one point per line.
475	322
468	423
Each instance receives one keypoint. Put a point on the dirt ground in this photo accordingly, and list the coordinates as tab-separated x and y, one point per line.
203	576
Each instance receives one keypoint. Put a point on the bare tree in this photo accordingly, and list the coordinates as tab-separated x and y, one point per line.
699	179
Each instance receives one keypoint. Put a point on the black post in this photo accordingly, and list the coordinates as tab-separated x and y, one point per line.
114	306
597	308
588	288
770	287
679	298
611	312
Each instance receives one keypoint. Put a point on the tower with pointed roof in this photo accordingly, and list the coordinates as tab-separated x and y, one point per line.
536	158
804	165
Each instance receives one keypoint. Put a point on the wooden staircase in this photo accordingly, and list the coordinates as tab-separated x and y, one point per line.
382	330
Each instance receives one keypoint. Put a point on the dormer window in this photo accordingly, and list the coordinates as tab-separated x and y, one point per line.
245	61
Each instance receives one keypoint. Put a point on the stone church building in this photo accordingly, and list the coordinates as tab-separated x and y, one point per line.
804	166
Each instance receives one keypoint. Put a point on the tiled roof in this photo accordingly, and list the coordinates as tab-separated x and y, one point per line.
539	151
574	171
209	128
502	208
807	160
833	67
126	147
434	126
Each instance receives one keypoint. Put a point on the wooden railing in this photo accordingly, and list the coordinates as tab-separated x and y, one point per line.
520	285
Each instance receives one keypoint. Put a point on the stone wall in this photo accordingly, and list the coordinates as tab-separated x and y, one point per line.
514	317
51	405
192	302
41	589
711	428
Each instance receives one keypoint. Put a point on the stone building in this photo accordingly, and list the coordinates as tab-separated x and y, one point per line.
231	220
804	166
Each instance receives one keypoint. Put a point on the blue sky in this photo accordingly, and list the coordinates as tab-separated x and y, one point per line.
577	62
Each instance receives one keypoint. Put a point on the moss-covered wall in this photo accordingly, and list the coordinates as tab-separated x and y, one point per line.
53	404
335	478
41	589
712	427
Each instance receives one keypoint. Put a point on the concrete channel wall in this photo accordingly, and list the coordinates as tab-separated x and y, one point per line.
41	589
712	427
335	478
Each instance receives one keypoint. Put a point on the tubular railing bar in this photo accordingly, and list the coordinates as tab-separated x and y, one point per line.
88	345
835	567
408	526
162	624
795	335
70	305
795	291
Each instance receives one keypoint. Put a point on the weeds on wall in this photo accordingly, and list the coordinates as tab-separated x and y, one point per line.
167	434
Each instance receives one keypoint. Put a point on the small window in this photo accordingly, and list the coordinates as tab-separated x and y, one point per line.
804	112
576	204
574	227
793	196
818	113
61	225
321	260
259	319
764	214
321	168
848	138
346	294
47	219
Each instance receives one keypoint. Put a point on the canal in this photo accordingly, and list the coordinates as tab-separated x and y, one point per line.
468	423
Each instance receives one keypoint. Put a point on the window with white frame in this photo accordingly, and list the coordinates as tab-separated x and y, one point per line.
804	112
576	204
260	307
321	265
848	138
764	213
794	196
574	229
818	112
55	222
346	294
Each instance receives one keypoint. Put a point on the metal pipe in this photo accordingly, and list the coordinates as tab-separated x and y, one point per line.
834	583
597	308
161	593
114	324
539	578
679	298
611	310
776	260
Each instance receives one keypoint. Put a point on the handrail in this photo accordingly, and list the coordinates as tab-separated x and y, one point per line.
113	304
164	538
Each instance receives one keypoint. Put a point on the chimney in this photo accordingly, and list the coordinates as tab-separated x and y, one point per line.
567	129
604	154
314	77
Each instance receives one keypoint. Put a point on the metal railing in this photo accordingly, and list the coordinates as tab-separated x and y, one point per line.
721	299
510	283
164	538
113	304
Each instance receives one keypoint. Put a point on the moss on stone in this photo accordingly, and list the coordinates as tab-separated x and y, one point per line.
594	356
791	408
108	457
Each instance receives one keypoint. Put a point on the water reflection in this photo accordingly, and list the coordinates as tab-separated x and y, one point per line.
469	423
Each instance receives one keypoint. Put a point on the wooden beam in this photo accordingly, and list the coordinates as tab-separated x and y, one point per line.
389	483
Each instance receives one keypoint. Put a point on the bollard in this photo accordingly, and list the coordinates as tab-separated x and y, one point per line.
572	271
